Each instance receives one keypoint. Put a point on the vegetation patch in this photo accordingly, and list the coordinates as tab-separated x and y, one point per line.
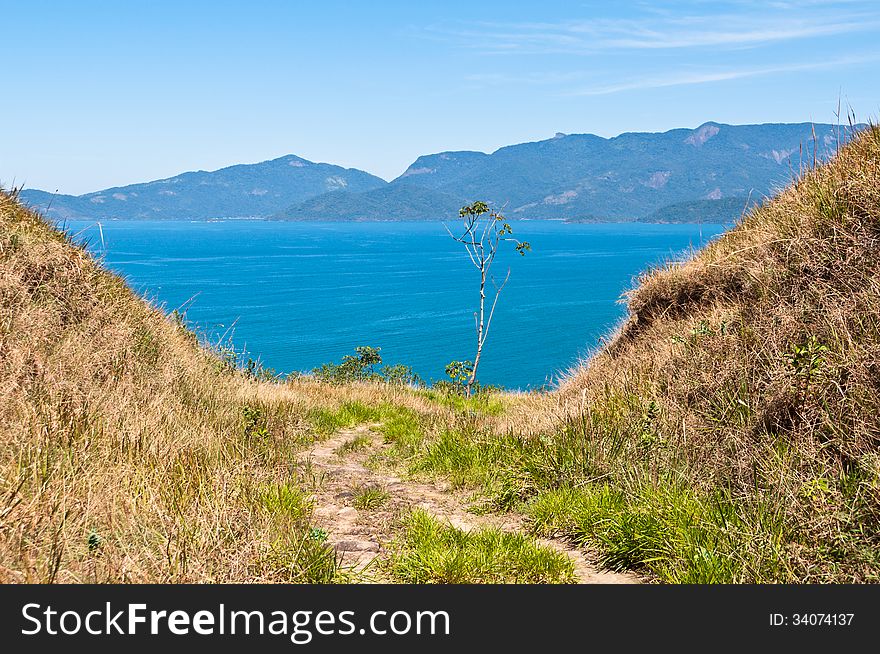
368	498
431	552
668	530
298	553
284	501
402	429
302	558
356	444
350	414
485	402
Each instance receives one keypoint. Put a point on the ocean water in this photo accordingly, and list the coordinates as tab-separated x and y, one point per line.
295	295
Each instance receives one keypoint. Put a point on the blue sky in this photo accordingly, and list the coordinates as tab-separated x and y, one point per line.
96	94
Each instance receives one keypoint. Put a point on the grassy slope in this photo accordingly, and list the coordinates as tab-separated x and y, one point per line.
126	454
745	391
729	432
731	429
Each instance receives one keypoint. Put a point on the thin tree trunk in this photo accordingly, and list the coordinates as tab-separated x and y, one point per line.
473	376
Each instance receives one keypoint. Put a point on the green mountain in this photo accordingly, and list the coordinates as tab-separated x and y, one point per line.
631	176
706	174
703	211
709	174
390	202
246	190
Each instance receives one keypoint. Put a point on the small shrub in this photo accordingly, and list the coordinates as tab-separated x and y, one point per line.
254	422
459	372
255	370
360	367
318	535
94	541
401	375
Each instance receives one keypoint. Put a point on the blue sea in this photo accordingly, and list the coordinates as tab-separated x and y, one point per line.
295	295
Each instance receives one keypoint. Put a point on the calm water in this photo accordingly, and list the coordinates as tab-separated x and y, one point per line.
296	295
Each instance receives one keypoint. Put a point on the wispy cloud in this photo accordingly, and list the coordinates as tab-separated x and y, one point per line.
746	28
527	78
702	77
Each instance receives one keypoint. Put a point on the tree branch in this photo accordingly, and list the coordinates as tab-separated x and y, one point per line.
498	290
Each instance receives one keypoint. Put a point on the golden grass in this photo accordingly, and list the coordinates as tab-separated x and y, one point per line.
126	453
755	366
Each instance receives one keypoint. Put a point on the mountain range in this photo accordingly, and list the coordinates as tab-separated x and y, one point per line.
707	174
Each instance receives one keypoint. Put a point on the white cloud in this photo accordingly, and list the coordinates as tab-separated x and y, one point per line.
754	25
702	77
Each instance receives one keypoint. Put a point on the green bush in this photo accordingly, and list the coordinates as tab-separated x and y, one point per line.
362	367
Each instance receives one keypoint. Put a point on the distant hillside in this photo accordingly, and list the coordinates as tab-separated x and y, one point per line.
246	190
701	175
672	176
703	211
630	176
389	202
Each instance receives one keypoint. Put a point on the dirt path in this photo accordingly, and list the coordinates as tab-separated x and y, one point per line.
359	535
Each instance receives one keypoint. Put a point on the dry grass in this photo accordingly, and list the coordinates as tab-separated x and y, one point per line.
753	369
129	453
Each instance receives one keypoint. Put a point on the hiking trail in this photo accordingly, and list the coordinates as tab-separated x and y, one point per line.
359	536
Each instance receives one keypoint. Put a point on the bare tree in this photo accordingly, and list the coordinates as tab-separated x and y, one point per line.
484	232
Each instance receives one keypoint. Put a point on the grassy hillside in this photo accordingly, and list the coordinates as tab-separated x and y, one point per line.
729	431
125	455
741	400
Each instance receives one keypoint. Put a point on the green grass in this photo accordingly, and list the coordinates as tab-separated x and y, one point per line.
356	444
465	458
485	403
508	468
402	429
299	553
432	552
369	497
675	533
633	516
300	557
326	422
399	425
285	500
